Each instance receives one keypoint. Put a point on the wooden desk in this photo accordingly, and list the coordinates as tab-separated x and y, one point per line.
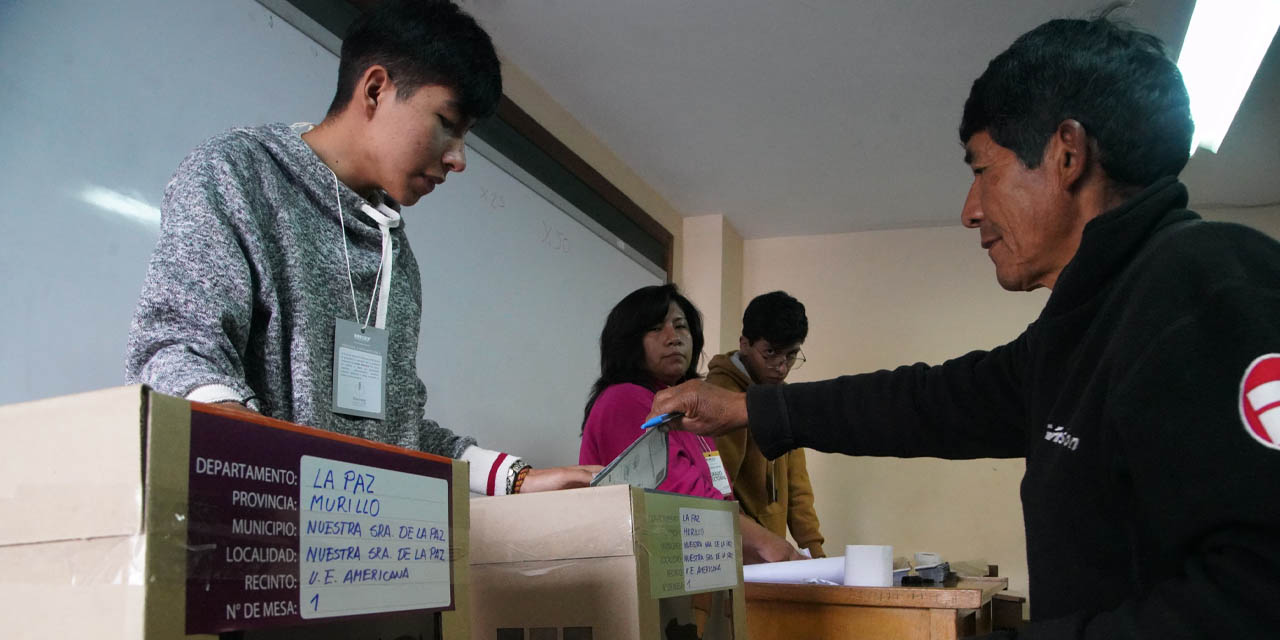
820	612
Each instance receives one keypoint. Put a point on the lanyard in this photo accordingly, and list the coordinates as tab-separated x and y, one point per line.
702	442
386	219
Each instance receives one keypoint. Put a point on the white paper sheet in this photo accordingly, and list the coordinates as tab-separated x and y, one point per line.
796	571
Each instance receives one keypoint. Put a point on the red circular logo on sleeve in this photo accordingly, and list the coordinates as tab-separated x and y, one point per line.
1260	400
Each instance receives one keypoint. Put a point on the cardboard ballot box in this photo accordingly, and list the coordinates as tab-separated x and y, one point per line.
130	514
606	563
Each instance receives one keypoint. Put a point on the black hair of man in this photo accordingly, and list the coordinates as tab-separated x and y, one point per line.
1116	81
422	43
776	317
622	356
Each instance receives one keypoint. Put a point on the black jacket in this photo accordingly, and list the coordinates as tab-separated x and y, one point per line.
1150	509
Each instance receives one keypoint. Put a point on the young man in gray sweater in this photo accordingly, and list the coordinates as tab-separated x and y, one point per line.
281	246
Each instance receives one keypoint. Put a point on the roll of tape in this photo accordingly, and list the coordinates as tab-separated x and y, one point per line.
927	558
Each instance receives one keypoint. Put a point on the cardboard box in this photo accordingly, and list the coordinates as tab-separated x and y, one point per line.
606	563
130	514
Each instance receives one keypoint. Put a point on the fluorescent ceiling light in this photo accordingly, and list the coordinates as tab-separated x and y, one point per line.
135	209
1224	45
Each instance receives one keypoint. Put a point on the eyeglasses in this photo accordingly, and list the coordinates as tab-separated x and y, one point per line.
775	359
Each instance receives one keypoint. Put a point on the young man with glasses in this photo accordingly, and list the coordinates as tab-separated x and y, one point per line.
777	493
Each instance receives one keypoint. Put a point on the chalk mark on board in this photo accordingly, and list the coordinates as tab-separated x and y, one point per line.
554	239
493	198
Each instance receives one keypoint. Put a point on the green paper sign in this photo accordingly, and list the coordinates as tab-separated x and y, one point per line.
692	544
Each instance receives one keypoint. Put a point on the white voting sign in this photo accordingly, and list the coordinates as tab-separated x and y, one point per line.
372	540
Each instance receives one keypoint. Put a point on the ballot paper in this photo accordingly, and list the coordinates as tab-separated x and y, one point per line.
643	464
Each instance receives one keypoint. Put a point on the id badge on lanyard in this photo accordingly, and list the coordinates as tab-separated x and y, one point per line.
359	350
359	370
719	477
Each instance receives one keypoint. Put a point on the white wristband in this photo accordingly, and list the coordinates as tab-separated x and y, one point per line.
488	470
214	393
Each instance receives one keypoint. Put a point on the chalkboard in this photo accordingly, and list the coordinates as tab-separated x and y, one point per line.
102	102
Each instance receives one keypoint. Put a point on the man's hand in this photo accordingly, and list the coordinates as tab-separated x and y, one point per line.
553	478
761	545
775	549
708	409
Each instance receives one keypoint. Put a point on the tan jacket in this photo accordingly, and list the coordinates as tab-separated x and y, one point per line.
776	494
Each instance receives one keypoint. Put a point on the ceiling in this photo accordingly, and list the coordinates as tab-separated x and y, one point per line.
796	117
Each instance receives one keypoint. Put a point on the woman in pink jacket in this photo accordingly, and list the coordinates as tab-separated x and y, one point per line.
651	340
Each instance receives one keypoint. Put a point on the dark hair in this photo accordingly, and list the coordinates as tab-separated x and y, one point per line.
1116	81
776	317
422	42
622	357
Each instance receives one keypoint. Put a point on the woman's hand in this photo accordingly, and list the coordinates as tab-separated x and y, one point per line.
554	478
708	410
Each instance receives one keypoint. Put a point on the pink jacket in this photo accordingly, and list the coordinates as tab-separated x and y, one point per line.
614	423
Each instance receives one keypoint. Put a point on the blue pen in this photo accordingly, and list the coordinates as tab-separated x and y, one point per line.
662	419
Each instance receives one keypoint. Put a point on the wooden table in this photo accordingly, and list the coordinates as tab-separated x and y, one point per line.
820	612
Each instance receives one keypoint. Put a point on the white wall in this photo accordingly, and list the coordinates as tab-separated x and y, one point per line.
712	279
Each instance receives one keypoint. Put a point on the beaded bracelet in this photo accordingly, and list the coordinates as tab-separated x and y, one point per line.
524	473
513	472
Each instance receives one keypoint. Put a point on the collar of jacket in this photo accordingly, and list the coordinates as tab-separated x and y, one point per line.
296	157
723	364
1111	240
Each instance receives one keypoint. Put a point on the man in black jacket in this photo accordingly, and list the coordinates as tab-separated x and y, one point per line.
1146	396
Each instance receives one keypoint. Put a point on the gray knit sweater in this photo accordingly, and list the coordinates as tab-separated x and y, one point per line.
246	281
